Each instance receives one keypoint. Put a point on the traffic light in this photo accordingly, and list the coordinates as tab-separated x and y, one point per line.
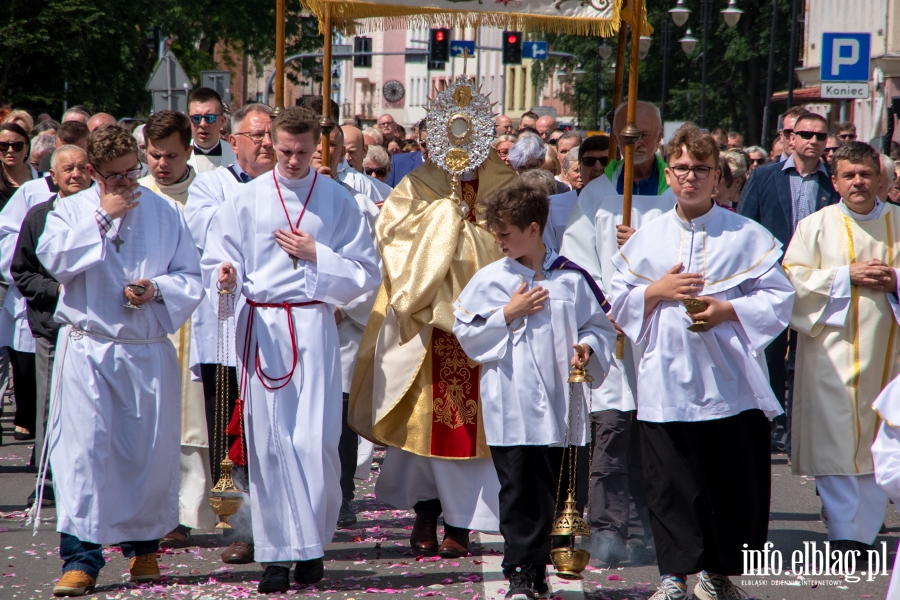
512	47
439	46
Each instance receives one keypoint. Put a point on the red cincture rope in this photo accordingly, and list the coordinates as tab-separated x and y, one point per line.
269	382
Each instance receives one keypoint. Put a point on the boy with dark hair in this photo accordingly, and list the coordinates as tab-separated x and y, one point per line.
520	317
703	400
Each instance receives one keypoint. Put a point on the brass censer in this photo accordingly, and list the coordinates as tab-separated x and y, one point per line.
570	531
225	497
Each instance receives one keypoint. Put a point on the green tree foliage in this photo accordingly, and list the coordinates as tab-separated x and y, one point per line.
100	48
736	68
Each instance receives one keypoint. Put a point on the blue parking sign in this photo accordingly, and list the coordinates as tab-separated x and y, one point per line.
845	56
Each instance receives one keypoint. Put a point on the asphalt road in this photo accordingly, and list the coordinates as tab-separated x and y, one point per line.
374	558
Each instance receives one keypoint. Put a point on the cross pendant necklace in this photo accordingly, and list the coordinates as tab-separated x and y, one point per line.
302	212
117	241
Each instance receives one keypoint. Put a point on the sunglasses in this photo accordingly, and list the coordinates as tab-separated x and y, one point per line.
808	135
590	161
757	161
847	136
829	150
197	119
552	142
787	132
379	172
16	146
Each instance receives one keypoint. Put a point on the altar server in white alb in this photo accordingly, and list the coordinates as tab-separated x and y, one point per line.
251	141
526	318
130	276
843	263
294	244
704	402
886	459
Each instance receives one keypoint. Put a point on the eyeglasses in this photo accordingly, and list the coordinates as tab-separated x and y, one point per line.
757	161
820	136
830	150
257	138
132	174
847	137
552	142
590	161
379	172
700	171
16	146
787	132
197	119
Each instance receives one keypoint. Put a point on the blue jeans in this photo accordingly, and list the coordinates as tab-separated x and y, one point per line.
88	557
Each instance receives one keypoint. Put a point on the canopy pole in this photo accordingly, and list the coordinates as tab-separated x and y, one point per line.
326	122
279	56
617	84
630	134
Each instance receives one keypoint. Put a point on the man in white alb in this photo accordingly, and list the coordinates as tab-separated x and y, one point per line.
293	245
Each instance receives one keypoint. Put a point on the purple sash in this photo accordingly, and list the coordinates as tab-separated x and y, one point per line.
564	263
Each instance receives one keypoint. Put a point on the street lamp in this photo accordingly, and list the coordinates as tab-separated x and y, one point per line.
665	46
644	46
688	42
577	76
680	13
605	50
732	14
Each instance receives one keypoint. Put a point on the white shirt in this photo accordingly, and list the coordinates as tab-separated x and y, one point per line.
525	365
688	376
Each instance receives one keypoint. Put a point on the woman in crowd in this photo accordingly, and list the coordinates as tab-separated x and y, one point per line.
23	119
528	153
14	167
377	163
503	144
733	164
393	145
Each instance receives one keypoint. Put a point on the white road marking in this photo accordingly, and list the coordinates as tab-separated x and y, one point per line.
495	585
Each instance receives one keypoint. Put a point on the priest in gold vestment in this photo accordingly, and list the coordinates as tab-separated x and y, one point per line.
414	390
842	262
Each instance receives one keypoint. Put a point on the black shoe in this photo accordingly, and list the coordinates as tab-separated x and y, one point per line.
346	518
542	589
823	516
275	579
308	572
23	436
521	583
49	499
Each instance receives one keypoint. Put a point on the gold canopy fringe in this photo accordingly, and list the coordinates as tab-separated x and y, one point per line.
381	17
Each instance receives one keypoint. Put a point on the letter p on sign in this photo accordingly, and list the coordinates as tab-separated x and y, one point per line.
845	57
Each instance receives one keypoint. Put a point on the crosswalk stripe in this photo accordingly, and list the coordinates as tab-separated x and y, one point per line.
495	585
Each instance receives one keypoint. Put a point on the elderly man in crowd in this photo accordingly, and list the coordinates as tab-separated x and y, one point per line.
100	119
77	113
387	126
567	141
735	140
503	125
41	147
355	150
545	126
649	168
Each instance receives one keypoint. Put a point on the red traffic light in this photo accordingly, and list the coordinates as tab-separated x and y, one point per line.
512	39
439	35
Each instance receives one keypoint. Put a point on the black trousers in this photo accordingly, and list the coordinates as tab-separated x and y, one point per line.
708	490
25	387
348	449
208	378
529	478
780	355
618	499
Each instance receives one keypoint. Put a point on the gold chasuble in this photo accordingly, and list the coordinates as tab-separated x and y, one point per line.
840	370
413	387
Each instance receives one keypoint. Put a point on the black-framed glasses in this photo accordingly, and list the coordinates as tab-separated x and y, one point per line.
379	172
16	146
552	142
256	138
787	132
210	118
700	171
133	173
590	161
820	136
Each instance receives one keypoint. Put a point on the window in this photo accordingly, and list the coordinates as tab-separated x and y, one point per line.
362	44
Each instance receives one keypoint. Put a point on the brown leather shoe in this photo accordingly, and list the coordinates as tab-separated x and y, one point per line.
238	553
424	534
177	538
456	542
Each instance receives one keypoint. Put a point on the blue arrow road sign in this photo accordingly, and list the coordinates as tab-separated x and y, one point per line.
462	48
534	50
845	56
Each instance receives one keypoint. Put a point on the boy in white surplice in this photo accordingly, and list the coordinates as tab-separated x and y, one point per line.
521	317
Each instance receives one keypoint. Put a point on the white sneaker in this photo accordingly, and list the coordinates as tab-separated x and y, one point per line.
717	587
670	589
